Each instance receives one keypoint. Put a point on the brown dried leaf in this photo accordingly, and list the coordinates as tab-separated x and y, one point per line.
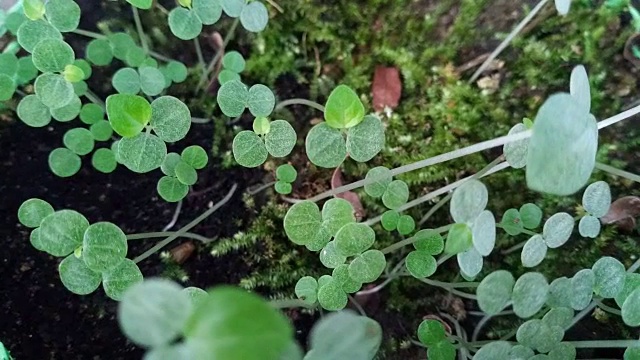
623	213
387	88
350	196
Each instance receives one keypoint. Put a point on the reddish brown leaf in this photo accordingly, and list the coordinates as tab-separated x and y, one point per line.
182	252
387	88
623	213
350	196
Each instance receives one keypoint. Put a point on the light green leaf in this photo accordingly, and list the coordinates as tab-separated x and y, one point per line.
596	199
64	15
307	290
33	9
344	108
171	189
249	150
184	24
516	152
579	84
484	233
589	226
378	179
631	282
195	156
389	220
85	67
91	114
325	146
562	148
101	131
331	296
104	246
494	350
233	61
330	257
99	52
141	4
233	98
344	335
169	163
34	239
142	153
538	335
581	290
7	87
421	264
14	20
341	275
354	238
563	351
365	140
429	240
557	229
468	201
170	118
31	33
631	309
227	75
135	57
77	277
26	71
529	294
261	100
396	194
368	266
121	43
208	11
254	17
33	211
302	222
470	263
233	8
9	64
53	90
261	125
62	232
559	316
286	173
151	81
169	352
126	81
560	293
336	214
511	222
195	294
281	138
154	312
185	173
69	111
534	251
443	350
431	332
52	55
459	239
176	70
609	277
64	162
494	291
79	140
531	215
632	353
128	114
104	160
406	225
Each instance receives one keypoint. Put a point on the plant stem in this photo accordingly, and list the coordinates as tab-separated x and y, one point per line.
94	98
607	308
618	172
411	240
290	303
448	288
141	35
160	56
187	227
593	344
196	120
306	102
485	145
522	231
158	234
514	248
203	65
90	34
508	39
216	58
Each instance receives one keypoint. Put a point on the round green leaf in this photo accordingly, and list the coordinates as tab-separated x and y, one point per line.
80	88
283	188
219	327
227	75
516	152
233	8
421	264
330	257
468	201
104	160
563	146
354	238
91	114
261	125
631	282
470	263
126	81
430	241
121	43
336	214
69	111
33	9
64	15
597	199
52	55
169	163
8	64
632	353
154	312
286	173
431	332
26	71
484	233
117	281
538	335
53	90
185	173
559	316
254	17
85	67
34	239
128	114
331	296
195	156
511	222
531	215
459	239
184	24
79	140
443	350
62	232
534	251
344	108
136	56
33	211
406	225
557	229
302	222
195	294
341	275
579	84
14	20
560	293
233	61
529	294
64	162
142	153
233	98
563	351
325	146
377	181
307	290
33	112
77	277
261	100
152	82
631	309
365	140
494	350
249	150
7	87
344	335
31	33
141	4
609	277
368	266
171	189
101	131
170	118
104	246
396	194
390	220
99	52
589	226
208	11
281	138
581	290
494	291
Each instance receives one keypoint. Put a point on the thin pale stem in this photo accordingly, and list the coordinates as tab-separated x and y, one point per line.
357	305
411	240
174	219
187	227
158	234
261	188
523	231
212	64
161	57
607	308
514	248
479	327
141	34
90	34
305	102
94	98
593	344
503	45
203	65
196	120
435	208
450	289
618	172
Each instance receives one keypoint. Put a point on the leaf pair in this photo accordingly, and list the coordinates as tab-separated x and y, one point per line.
286	175
234	97
186	24
421	262
432	334
251	150
253	15
233	64
180	171
394	193
596	200
555	233
305	225
392	220
64	15
514	221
